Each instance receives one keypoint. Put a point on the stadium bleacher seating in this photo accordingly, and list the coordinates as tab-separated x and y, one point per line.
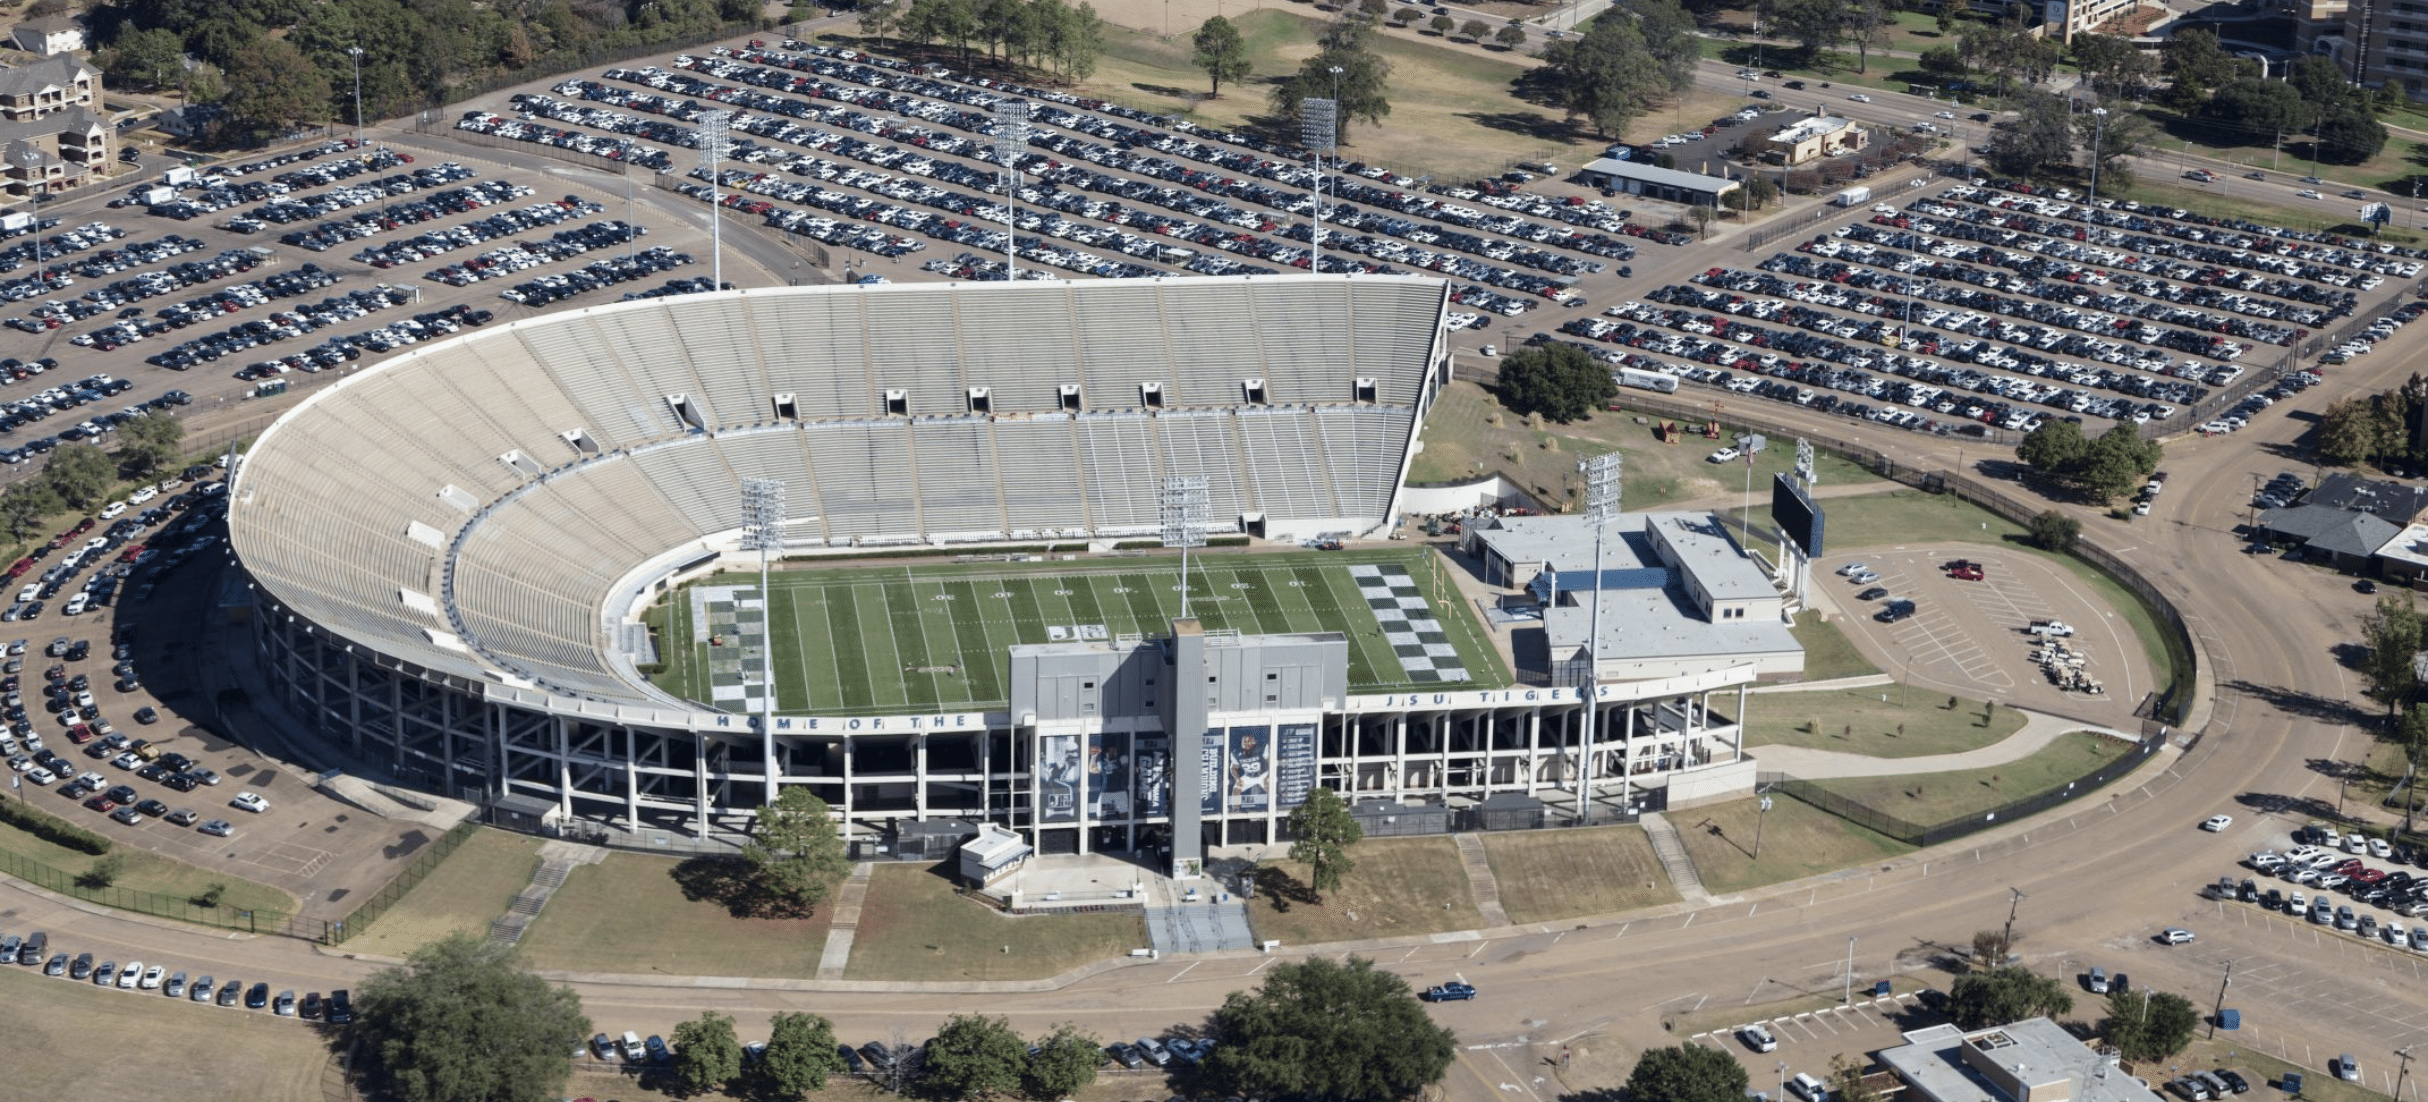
549	460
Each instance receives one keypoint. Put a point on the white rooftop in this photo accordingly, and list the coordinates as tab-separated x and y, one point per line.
2408	546
2033	1057
1814	127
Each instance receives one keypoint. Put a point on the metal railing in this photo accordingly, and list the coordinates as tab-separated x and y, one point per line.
423	865
1918	834
75	885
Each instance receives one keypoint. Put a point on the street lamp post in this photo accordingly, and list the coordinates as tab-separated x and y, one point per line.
2099	141
356	52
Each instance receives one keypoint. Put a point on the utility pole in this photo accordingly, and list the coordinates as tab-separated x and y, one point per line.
2006	941
2403	1054
2221	1000
1848	999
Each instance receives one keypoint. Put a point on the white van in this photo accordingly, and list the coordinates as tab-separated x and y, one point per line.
1809	1089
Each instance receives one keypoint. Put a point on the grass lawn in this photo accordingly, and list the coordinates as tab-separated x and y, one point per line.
1461	442
1935	798
1452	114
1828	654
633	1086
932	635
139	870
2274	204
1857	721
1400	886
915	927
474	885
628	914
1550	874
93	1044
1720	838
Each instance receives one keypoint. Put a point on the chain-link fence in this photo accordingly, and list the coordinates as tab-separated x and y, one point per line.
423	865
80	886
1919	834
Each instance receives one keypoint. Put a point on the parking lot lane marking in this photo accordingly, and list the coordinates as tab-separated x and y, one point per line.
1622	932
1192	966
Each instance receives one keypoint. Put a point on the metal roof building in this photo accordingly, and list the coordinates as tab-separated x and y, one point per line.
1653	182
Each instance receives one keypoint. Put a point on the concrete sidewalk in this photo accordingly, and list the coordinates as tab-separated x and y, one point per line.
2039	730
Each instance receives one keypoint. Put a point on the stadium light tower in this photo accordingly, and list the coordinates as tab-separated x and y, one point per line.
1601	503
1318	131
1182	510
763	531
1011	140
715	130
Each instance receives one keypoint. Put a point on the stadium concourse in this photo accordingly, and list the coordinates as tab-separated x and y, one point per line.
459	557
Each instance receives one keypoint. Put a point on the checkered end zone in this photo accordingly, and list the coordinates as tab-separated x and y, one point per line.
731	621
1408	624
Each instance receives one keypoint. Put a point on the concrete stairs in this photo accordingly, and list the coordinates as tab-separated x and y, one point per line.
1672	851
1480	881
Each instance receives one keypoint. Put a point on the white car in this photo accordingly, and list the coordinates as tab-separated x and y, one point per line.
1852	568
1724	455
249	801
2306	193
2379	849
39	776
2175	935
129	974
1945	115
151	978
1860	98
2215	823
217	828
1757	1038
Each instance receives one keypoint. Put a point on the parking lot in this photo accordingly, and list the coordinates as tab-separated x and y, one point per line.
1974	638
1808	1039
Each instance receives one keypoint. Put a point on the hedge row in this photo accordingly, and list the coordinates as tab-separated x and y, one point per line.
51	828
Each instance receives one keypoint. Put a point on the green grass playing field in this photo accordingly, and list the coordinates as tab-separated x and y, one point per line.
933	635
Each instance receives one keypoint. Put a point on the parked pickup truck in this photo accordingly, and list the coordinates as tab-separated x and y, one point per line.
1449	992
2050	627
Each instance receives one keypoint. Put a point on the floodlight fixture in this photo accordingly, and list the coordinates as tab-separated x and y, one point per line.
714	133
1181	511
1011	142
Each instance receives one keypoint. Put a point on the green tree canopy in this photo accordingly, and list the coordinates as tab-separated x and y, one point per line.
1363	83
24	506
80	474
974	1056
1558	380
2113	65
461	1021
273	88
2395	633
2054	448
2262	106
149	442
2350	134
1323	830
1320	1028
1221	52
707	1054
800	1056
796	853
2055	531
1065	1063
2146	1025
1687	1073
146	58
2005	994
2041	133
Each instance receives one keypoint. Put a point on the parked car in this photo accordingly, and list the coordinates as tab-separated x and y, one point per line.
1757	1038
1454	991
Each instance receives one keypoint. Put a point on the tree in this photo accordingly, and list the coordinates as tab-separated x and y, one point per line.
1867	26
881	17
1846	1081
460	1019
951	22
146	58
795	850
2055	531
1608	76
975	1057
1950	12
1559	381
2393	633
1474	30
2113	65
1945	62
2040	134
707	1055
800	1055
1326	1029
149	442
2006	993
1687	1073
1510	37
2147	1025
1442	25
2117	462
1323	831
1407	17
1753	193
24	505
80	474
1362	85
2263	106
2054	448
1221	53
1065	1063
273	88
2198	66
2354	431
2349	135
1373	9
1813	25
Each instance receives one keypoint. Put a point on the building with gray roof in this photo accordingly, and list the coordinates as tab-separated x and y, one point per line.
2034	1060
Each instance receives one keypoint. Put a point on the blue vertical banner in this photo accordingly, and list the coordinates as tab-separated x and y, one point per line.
1109	777
1294	765
1152	779
1209	775
1250	782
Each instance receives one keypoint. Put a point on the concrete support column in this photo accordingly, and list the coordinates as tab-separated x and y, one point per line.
699	784
564	764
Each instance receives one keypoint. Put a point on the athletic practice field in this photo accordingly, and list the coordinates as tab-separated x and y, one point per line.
934	635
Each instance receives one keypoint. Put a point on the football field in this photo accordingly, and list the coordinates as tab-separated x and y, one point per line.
927	636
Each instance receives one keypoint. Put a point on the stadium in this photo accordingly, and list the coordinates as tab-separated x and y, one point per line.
510	567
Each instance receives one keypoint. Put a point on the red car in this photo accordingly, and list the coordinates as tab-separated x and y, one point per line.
101	804
1965	570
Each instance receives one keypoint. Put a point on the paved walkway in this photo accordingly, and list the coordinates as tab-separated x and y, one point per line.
1675	861
1480	882
846	925
2038	731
